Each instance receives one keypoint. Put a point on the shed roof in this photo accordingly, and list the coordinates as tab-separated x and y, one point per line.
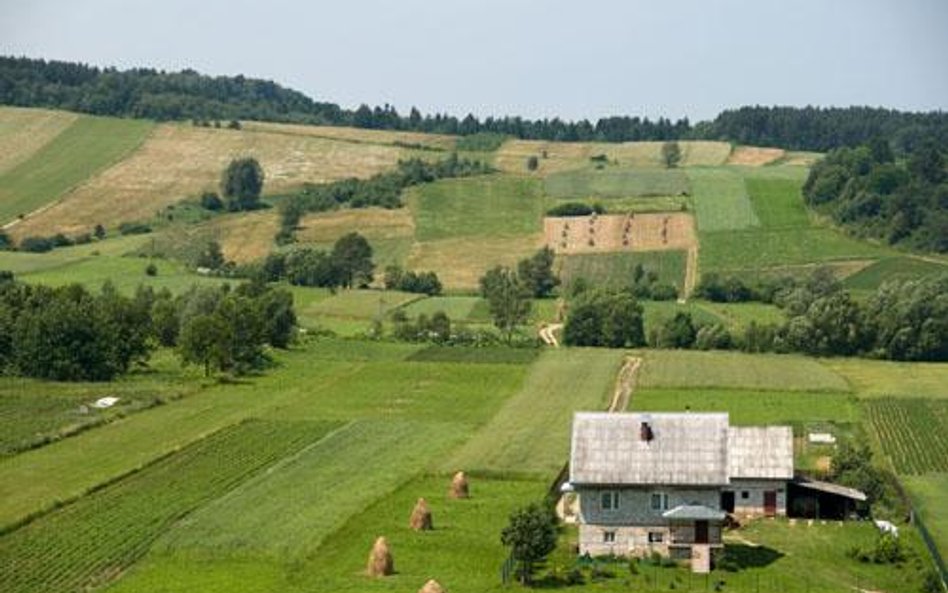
760	452
686	449
832	489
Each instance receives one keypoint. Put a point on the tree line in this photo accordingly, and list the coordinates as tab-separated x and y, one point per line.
871	194
160	95
71	334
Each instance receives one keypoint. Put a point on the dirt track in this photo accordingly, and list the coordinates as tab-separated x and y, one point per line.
625	384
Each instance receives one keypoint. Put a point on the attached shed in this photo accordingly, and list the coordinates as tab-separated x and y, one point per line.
812	499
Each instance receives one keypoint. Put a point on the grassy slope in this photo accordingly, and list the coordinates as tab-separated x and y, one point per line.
86	147
721	201
24	131
530	434
616	183
893	268
879	378
615	269
928	494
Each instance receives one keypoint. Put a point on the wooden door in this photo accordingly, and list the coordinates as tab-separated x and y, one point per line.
727	502
701	532
770	503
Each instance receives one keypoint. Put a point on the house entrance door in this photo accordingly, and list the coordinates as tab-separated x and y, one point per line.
770	503
727	502
701	532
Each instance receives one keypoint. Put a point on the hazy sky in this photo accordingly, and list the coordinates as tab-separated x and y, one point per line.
575	59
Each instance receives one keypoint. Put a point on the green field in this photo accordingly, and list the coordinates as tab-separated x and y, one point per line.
616	183
721	200
695	369
530	433
91	541
751	406
616	269
83	149
778	203
894	268
913	432
494	206
928	495
883	378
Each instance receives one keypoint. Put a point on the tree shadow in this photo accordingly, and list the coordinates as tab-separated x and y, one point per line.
745	556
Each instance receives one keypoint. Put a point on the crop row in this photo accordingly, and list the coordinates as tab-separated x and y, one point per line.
913	433
90	542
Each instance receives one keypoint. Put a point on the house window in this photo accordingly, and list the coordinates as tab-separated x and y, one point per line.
745	494
608	537
659	501
655	537
610	500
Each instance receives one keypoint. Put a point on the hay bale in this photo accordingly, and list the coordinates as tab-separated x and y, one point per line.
421	516
432	586
380	562
459	486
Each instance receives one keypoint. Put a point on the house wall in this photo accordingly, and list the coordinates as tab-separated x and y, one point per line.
634	518
753	505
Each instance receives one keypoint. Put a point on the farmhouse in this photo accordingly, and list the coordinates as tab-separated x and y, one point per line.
665	482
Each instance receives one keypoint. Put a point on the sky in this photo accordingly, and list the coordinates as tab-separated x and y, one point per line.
534	58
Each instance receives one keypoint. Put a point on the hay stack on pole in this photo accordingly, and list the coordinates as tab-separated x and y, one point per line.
432	586
380	559
459	486
421	516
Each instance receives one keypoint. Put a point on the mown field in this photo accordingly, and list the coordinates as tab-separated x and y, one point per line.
83	149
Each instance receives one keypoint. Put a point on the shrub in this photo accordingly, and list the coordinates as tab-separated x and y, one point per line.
134	228
36	244
151	270
211	201
532	163
575	209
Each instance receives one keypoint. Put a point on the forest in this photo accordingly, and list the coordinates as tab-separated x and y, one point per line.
159	95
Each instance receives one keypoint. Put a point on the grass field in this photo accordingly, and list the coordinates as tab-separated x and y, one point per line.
487	207
751	406
616	269
24	131
179	161
460	262
86	147
721	200
737	316
458	308
882	378
778	203
616	183
894	268
530	433
928	495
695	369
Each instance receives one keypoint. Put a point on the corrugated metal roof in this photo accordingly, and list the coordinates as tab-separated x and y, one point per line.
832	489
686	449
760	452
694	512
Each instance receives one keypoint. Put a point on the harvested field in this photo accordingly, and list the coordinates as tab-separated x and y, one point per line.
25	131
178	161
358	135
754	156
246	237
460	262
372	223
606	233
565	156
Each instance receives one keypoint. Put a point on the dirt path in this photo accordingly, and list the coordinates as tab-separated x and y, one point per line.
548	334
625	384
691	274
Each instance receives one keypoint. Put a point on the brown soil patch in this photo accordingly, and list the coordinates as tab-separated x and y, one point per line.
25	131
460	262
607	233
441	141
178	161
754	156
373	223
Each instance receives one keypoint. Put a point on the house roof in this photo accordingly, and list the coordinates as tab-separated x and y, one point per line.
686	449
694	512
760	452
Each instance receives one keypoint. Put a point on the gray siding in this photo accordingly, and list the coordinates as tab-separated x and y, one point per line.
753	505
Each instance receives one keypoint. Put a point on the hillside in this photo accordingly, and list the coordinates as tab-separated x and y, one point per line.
279	479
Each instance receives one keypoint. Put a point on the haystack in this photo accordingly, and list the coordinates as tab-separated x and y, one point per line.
459	486
421	516
380	559
432	586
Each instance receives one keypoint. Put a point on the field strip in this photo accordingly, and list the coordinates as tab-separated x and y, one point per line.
691	273
75	466
529	435
92	541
